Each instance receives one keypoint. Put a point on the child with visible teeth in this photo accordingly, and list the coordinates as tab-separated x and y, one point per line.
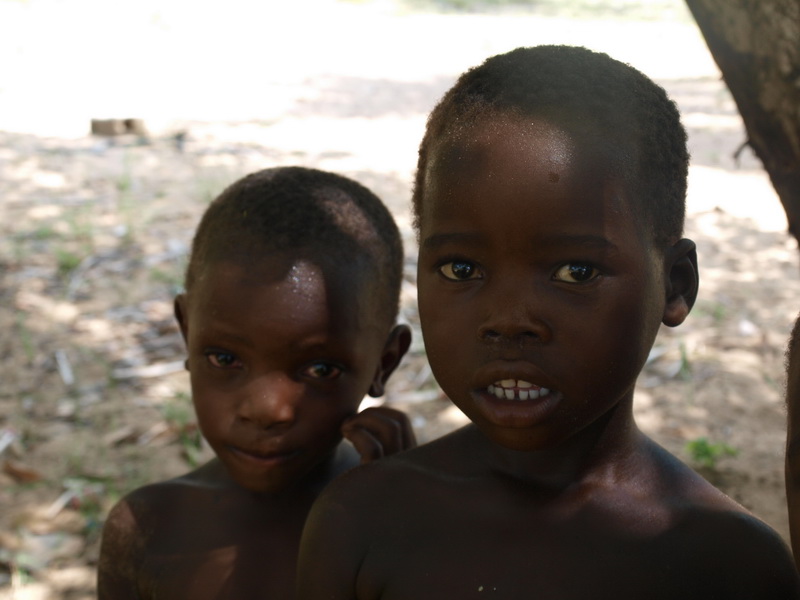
549	204
292	291
517	389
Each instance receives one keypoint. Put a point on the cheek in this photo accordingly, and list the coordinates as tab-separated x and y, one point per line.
214	414
447	336
320	427
626	340
214	406
439	308
321	408
435	321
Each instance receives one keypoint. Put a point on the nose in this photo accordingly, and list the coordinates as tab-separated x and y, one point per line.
514	316
269	401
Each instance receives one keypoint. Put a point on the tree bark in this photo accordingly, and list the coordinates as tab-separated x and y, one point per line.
756	44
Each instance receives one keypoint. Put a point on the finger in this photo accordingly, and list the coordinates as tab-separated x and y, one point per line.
383	432
368	446
401	420
389	426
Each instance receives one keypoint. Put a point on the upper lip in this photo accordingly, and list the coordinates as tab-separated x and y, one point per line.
514	369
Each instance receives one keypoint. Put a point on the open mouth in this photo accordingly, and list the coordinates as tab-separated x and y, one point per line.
516	389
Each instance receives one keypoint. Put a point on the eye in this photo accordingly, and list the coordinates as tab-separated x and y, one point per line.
460	270
223	360
322	370
576	273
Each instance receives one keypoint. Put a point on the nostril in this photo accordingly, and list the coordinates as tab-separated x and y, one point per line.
520	337
489	335
527	336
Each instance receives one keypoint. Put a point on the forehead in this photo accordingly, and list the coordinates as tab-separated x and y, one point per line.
529	143
281	287
524	160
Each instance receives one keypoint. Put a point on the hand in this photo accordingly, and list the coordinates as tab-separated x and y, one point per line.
379	431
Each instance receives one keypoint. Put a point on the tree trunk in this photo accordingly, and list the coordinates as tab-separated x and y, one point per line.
756	44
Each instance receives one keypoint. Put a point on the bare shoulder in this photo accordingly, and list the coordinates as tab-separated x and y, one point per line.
718	536
147	502
122	548
133	515
398	477
129	526
376	497
736	550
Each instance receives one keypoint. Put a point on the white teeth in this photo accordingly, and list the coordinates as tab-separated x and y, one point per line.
516	389
514	383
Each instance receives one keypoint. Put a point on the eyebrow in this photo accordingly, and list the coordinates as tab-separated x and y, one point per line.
588	241
442	239
220	335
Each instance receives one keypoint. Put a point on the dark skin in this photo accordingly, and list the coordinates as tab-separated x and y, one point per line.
281	354
793	439
540	296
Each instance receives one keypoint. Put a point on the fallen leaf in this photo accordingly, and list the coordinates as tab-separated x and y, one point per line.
20	473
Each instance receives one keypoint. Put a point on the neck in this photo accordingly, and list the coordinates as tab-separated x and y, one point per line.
301	492
343	458
601	451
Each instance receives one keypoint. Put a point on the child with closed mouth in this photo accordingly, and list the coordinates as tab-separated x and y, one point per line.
549	204
292	292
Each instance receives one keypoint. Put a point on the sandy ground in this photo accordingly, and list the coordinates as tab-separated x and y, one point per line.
93	400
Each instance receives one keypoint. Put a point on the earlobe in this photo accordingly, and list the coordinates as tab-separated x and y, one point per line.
396	346
682	282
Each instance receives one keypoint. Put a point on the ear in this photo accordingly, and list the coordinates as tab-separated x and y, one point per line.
682	281
396	346
181	315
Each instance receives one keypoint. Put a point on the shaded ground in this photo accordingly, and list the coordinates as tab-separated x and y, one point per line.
93	239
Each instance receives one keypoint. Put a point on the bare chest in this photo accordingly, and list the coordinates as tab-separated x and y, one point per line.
228	556
501	548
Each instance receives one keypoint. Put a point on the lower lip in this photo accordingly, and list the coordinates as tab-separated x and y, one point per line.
515	413
264	462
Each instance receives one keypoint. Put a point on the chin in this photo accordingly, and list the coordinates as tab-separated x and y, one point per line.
271	483
523	440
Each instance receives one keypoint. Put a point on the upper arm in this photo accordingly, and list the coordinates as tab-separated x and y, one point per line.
768	573
793	437
333	544
120	555
752	560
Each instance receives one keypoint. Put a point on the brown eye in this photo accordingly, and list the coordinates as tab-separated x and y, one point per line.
576	273
223	360
322	371
459	270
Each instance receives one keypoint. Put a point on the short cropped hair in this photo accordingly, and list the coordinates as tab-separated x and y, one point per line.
314	213
588	94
